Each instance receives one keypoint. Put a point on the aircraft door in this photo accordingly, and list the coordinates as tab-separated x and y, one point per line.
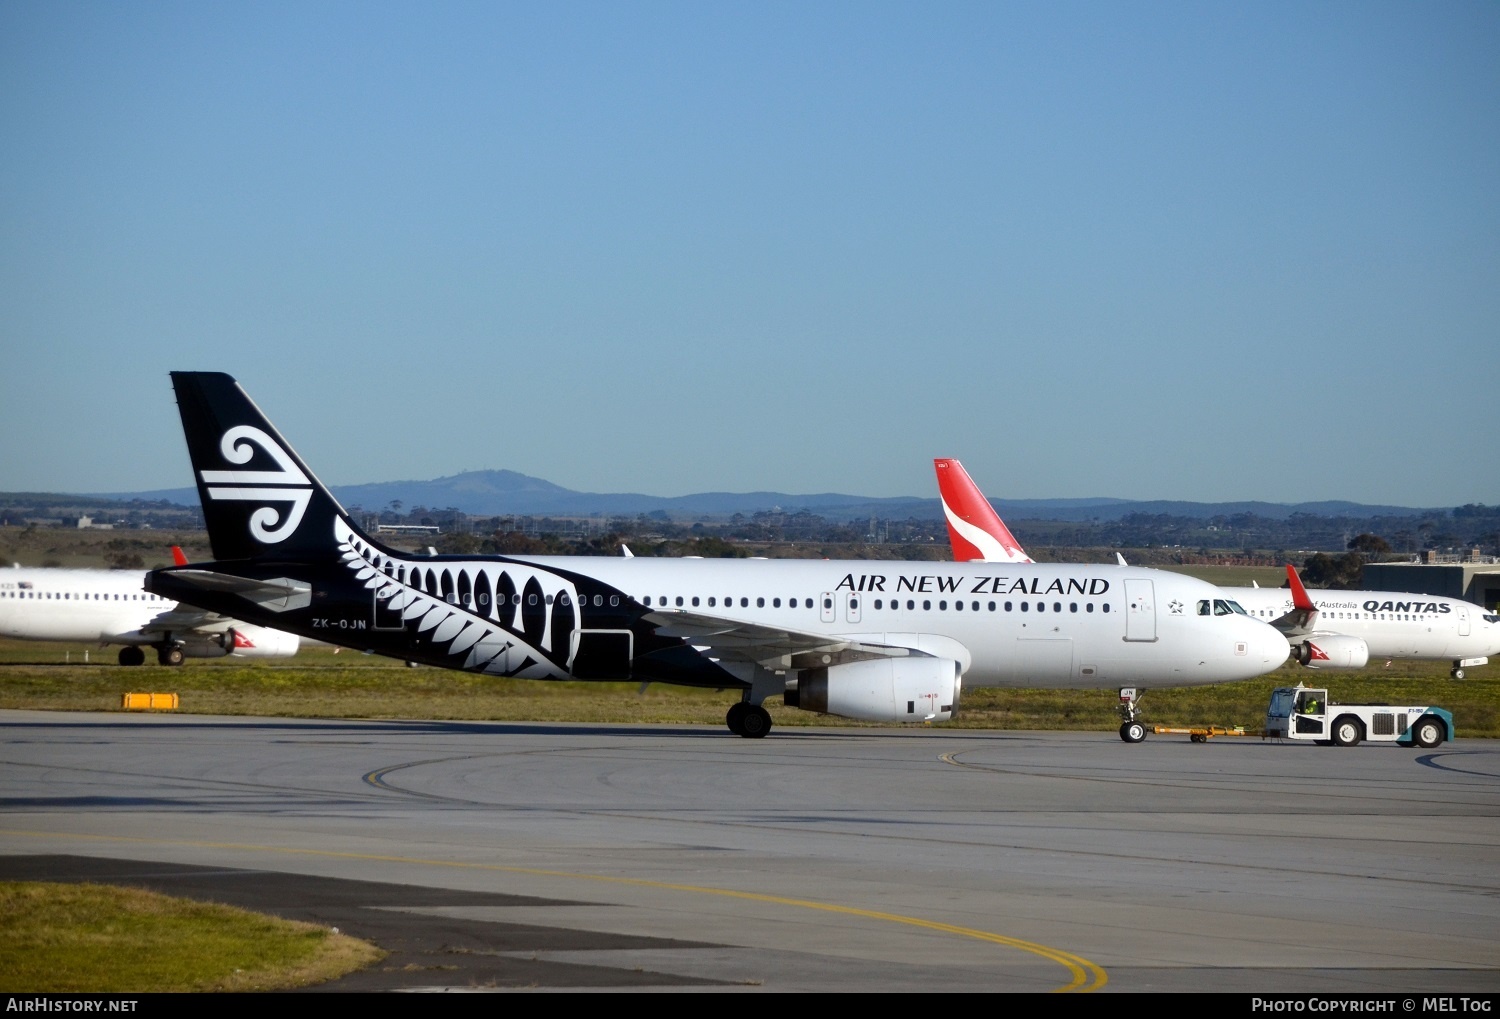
1140	610
851	606
601	654
385	617
827	607
1463	622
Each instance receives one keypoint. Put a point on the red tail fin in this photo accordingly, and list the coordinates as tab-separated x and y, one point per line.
974	528
177	556
1300	599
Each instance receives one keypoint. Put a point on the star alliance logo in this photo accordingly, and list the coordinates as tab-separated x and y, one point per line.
1175	607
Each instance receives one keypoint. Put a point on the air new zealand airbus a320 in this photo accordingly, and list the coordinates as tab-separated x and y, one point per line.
884	641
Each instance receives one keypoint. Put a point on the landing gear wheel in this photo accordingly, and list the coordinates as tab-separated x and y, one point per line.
735	717
169	655
1346	732
1457	673
1132	732
755	722
132	655
1427	733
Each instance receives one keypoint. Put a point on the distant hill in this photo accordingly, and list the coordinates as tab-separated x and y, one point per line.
504	493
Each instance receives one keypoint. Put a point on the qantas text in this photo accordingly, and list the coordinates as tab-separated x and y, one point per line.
1405	606
929	583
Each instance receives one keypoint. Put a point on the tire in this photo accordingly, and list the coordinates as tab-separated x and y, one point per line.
132	655
735	717
1347	731
1132	732
170	656
1457	673
756	722
1428	732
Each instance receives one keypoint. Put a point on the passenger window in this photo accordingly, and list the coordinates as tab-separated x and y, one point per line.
695	601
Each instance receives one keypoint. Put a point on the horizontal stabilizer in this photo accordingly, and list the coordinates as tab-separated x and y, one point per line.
281	594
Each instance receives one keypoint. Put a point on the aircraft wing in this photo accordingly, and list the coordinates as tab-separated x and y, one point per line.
769	646
1303	617
184	618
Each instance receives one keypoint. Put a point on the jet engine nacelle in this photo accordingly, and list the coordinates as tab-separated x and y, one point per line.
882	690
242	641
1334	651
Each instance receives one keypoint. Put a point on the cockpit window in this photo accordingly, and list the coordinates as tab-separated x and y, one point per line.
1220	607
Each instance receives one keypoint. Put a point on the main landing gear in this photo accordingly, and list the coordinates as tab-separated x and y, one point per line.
166	654
749	720
1131	729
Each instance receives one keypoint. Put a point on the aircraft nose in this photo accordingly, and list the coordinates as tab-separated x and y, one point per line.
1265	648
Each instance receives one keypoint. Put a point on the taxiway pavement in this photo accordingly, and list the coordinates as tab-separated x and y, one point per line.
592	857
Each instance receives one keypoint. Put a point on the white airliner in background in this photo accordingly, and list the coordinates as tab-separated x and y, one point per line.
113	607
1332	630
884	641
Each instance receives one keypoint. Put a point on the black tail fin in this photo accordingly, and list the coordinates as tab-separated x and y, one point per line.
258	496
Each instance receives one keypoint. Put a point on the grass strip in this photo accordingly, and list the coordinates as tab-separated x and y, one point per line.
318	683
64	938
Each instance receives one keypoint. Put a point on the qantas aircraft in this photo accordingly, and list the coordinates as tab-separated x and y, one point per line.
873	640
113	607
1335	630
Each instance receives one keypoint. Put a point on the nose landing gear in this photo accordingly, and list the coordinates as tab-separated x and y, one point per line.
1131	728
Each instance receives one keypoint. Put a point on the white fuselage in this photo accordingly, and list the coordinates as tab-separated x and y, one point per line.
1392	624
107	606
1024	625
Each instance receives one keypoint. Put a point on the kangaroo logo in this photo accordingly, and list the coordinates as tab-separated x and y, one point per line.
251	486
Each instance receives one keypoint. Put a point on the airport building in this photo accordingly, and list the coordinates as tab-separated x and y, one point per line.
1476	580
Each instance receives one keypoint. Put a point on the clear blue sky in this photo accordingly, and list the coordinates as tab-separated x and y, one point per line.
1199	251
